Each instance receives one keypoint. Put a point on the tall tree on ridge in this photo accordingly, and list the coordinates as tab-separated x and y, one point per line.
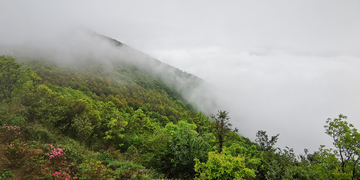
222	127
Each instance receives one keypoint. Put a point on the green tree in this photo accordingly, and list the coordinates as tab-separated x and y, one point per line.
82	126
223	166
347	141
222	127
322	164
9	73
263	140
48	106
185	145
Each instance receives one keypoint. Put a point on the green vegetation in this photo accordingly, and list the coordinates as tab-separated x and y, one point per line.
97	122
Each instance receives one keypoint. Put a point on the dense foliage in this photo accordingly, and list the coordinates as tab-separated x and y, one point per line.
118	122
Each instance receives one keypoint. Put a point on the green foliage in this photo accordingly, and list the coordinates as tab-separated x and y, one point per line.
250	152
34	164
13	120
5	174
9	73
115	121
105	157
82	126
47	105
95	170
222	127
152	147
140	123
11	133
75	152
223	166
38	132
94	111
323	164
347	141
264	142
202	123
185	145
15	152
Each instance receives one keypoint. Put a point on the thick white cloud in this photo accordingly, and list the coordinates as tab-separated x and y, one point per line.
281	66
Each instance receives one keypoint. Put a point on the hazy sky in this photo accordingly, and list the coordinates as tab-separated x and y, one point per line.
280	66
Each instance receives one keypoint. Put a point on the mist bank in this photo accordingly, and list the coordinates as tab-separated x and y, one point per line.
79	48
278	91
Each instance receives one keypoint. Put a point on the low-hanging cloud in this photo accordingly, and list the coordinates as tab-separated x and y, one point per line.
80	48
279	91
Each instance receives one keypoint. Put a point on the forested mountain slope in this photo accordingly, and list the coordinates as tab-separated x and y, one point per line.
94	108
89	51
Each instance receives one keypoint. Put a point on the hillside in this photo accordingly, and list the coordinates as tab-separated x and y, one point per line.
94	108
120	108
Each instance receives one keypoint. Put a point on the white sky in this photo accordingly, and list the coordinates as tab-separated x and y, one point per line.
280	66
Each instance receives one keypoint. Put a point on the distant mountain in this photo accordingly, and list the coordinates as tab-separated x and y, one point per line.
81	48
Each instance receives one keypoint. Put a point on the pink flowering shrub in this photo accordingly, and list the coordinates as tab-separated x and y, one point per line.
95	170
56	154
15	152
11	132
63	174
64	171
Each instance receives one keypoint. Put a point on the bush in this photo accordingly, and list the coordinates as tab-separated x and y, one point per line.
131	170
40	133
75	152
106	157
223	166
64	173
56	155
15	152
177	159
13	120
11	133
95	170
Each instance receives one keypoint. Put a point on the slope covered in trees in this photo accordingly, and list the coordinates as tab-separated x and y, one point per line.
128	121
109	119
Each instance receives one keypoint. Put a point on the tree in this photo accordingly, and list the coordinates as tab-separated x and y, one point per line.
347	141
9	73
263	140
223	166
185	145
82	127
222	127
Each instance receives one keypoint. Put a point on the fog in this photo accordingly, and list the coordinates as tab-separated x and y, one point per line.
280	66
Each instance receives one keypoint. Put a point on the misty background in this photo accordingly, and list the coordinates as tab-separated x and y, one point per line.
279	66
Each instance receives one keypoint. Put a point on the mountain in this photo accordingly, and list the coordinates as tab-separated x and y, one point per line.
85	101
81	48
85	106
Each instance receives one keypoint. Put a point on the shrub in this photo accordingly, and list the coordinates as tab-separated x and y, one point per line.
223	166
75	152
15	152
56	155
64	173
13	120
95	170
34	165
129	170
11	133
106	157
40	133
